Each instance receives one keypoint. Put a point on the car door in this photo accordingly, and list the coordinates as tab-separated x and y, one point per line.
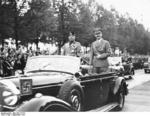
97	88
93	91
107	81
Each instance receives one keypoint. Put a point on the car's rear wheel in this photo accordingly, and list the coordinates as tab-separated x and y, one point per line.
120	98
72	93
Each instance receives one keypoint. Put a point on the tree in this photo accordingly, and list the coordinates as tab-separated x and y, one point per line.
67	20
12	12
6	30
40	21
51	20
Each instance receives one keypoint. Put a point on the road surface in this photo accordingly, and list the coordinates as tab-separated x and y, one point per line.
138	99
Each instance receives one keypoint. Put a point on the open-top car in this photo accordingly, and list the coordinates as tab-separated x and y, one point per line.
122	68
115	65
63	77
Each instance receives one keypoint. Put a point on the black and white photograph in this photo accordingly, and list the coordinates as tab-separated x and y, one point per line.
74	56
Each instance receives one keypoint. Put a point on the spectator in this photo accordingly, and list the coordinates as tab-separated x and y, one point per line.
19	64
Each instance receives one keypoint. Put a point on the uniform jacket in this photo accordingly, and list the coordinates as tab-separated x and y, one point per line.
73	49
100	47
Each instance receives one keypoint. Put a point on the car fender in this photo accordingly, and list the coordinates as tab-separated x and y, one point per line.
36	104
6	85
118	82
65	90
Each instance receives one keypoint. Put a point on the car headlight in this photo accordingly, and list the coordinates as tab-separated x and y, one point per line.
9	93
9	98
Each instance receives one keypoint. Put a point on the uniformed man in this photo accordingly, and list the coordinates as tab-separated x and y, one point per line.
100	50
72	47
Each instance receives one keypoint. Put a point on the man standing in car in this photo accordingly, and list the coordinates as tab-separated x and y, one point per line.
100	50
72	47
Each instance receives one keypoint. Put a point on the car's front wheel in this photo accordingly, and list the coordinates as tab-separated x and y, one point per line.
120	99
72	93
75	99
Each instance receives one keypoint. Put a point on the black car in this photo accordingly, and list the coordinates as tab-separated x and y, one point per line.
65	78
122	68
147	66
128	68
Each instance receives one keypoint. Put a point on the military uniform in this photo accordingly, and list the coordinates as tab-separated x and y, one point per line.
73	49
102	49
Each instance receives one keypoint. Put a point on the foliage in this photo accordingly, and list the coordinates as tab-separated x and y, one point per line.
51	21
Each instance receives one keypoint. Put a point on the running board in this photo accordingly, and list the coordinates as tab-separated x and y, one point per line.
105	108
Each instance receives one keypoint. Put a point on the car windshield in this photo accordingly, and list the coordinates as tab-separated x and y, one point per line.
53	63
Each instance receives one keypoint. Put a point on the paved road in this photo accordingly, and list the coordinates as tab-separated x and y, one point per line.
138	99
139	78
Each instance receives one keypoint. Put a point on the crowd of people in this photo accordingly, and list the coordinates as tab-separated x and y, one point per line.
12	59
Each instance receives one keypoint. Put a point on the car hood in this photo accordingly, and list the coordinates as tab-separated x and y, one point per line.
39	79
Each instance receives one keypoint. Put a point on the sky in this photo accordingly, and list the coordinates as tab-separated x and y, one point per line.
137	9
